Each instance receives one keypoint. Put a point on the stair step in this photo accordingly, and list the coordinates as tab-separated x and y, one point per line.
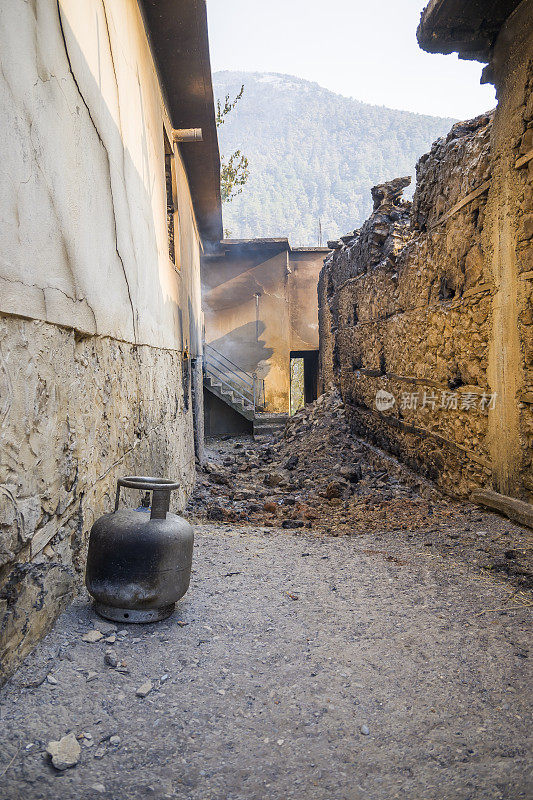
233	385
268	428
237	403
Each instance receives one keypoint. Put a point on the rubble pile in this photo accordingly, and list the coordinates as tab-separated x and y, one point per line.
317	476
320	477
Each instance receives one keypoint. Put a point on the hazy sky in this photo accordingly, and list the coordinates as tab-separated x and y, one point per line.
365	49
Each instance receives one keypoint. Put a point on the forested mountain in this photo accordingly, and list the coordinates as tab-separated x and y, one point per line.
313	155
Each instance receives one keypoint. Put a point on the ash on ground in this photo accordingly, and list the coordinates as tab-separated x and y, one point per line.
320	476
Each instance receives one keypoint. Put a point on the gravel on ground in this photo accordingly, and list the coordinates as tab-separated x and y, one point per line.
298	665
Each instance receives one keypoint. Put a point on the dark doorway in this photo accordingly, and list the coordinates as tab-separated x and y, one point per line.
304	387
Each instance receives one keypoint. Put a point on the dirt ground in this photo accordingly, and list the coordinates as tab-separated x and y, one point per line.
341	657
298	665
320	477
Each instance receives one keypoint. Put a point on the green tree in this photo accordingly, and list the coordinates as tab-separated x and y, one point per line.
313	155
234	171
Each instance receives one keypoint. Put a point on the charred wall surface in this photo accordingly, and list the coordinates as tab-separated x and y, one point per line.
260	304
408	312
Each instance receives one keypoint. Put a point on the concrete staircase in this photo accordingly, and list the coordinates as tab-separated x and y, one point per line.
224	392
242	391
266	425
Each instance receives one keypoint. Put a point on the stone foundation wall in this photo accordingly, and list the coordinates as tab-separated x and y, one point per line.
77	412
407	309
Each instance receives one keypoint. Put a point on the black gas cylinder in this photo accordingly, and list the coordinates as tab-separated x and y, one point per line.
139	564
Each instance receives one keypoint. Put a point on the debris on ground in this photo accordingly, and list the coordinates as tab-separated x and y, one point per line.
65	753
320	476
111	658
144	689
92	636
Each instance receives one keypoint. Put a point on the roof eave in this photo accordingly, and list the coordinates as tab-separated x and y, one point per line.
178	36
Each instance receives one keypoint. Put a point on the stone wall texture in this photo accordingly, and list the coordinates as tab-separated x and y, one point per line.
426	312
82	411
100	333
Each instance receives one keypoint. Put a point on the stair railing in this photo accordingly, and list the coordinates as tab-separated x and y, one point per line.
247	386
259	392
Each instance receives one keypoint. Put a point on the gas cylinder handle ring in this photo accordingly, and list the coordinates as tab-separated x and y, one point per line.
144	482
160	487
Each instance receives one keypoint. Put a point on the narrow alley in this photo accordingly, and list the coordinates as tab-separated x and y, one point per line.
266	387
312	656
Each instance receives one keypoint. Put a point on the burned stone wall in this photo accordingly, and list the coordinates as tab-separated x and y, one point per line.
406	309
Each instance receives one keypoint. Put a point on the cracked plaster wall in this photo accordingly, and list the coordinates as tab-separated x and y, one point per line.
93	315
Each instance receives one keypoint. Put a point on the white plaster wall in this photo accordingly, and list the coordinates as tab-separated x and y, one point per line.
82	195
93	314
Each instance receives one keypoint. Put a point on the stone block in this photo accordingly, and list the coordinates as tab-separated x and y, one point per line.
30	602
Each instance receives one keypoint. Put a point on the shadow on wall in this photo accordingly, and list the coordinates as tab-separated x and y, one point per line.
244	347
